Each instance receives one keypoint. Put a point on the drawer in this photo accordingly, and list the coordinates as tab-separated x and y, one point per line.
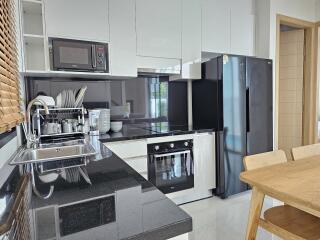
128	149
140	164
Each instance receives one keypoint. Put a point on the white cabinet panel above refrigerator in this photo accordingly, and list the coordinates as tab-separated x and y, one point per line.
216	26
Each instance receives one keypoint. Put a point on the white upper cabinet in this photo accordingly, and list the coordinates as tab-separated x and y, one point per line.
242	27
191	39
158	26
122	38
216	26
242	33
77	19
228	26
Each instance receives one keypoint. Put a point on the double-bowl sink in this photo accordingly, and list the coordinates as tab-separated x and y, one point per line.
51	160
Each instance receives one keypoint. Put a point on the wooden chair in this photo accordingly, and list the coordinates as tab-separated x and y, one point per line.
264	159
284	221
306	151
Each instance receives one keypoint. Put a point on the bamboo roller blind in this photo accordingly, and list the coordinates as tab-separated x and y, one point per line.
10	111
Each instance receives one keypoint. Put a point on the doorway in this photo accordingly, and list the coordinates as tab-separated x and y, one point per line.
296	83
291	84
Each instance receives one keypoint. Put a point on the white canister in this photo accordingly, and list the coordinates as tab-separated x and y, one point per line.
86	127
104	120
67	127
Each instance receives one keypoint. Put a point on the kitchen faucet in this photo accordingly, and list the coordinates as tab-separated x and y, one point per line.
32	139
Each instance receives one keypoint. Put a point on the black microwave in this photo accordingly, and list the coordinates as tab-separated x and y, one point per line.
75	55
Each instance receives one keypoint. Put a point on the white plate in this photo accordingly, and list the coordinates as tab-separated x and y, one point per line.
72	98
77	96
68	99
63	98
80	96
58	100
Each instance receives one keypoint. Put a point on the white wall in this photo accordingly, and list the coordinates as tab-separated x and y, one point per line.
318	10
301	9
5	153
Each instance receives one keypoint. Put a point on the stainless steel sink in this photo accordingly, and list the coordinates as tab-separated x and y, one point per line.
52	152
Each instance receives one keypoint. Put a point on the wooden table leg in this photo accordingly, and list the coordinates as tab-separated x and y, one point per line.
254	214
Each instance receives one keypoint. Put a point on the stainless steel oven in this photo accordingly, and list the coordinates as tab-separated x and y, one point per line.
171	166
75	55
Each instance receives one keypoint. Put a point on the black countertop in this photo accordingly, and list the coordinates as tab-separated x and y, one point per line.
150	130
141	210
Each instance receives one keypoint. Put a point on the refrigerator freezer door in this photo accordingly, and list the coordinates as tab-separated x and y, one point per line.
234	119
259	97
205	96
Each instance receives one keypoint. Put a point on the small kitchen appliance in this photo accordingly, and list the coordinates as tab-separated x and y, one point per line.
75	55
94	115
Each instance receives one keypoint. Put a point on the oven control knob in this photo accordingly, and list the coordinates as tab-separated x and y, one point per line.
156	147
172	145
186	144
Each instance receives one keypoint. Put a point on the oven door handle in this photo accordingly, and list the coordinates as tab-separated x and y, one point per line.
171	154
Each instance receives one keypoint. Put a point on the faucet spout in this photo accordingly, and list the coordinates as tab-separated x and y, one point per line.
30	136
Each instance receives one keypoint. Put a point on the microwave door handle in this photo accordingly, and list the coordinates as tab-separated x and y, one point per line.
94	57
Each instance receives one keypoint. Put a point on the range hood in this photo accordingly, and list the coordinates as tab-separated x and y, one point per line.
174	68
152	66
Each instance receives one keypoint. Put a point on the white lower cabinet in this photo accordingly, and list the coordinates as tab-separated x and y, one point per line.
181	237
204	160
140	164
133	152
128	149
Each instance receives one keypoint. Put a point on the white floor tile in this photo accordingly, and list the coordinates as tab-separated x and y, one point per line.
217	219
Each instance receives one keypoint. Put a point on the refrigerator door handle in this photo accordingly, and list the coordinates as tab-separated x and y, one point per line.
248	109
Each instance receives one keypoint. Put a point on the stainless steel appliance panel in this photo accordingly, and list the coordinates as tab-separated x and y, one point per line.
259	104
234	119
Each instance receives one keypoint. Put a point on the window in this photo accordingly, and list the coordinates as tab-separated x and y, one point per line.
10	111
158	91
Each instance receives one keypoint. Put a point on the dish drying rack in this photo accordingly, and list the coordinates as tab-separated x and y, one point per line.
58	115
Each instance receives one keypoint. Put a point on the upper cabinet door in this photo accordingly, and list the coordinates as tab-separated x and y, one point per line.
191	39
242	33
123	38
216	26
228	26
158	25
242	27
77	19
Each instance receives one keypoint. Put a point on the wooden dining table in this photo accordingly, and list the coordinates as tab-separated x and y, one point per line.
296	183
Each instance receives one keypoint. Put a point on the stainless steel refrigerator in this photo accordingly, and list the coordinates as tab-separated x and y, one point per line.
235	98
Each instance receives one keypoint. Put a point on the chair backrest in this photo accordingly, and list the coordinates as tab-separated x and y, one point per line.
264	159
306	151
